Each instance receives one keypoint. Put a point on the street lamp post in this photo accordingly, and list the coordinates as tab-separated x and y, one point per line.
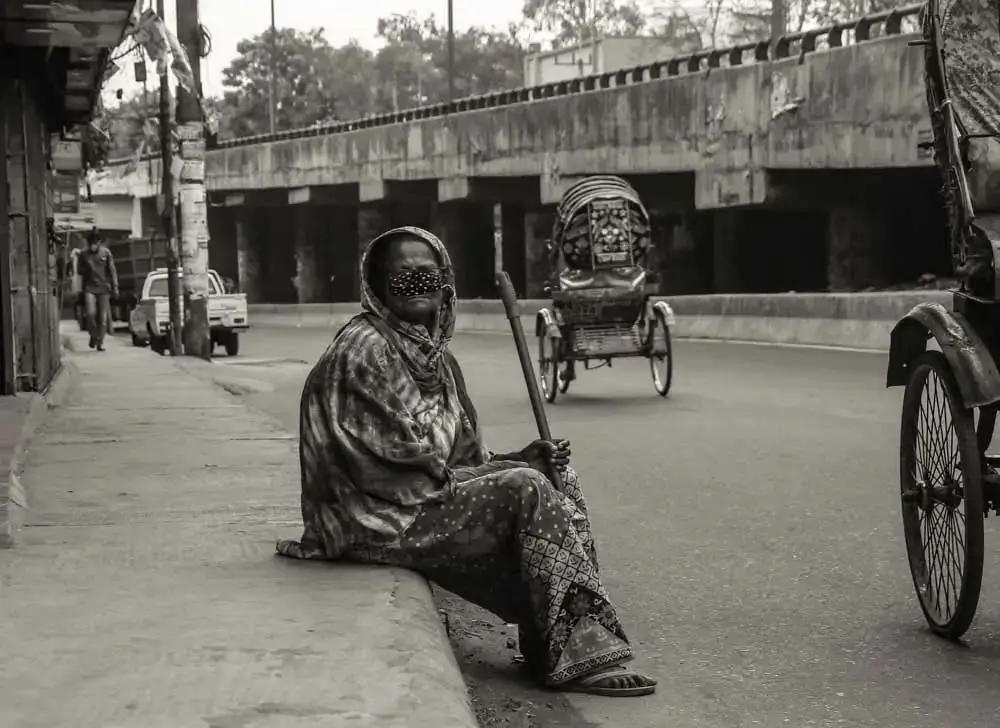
272	102
451	51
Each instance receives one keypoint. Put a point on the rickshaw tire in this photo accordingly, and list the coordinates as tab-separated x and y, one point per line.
548	373
564	383
969	461
659	320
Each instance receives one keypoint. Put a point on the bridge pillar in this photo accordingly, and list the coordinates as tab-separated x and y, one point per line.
515	259
222	254
371	222
857	248
728	231
247	256
340	246
310	271
466	229
678	248
537	230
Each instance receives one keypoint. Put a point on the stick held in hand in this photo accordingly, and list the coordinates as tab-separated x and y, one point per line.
509	298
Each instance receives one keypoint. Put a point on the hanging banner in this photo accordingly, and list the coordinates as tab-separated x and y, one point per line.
151	34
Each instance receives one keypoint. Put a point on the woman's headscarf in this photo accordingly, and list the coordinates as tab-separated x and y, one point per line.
423	349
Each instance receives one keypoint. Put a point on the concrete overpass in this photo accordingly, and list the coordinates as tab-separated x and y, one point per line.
803	171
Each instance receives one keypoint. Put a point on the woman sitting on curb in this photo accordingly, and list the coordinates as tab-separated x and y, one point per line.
394	472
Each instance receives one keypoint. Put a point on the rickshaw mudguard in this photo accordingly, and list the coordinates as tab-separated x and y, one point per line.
971	361
665	309
547	323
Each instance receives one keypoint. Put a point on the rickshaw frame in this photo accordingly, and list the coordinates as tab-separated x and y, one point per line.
961	380
609	324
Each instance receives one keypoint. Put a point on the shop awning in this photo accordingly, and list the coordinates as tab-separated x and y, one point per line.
75	37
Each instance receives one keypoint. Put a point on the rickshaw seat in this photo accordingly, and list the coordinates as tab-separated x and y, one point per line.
614	282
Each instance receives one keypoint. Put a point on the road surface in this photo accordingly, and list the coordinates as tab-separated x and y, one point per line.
749	532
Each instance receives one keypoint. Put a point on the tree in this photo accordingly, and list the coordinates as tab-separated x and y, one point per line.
317	83
683	32
354	82
759	19
303	65
413	64
577	21
826	12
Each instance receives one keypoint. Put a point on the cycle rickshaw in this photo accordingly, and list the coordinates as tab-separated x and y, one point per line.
602	308
949	483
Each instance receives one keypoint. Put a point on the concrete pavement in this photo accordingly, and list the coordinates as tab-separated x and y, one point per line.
145	592
749	532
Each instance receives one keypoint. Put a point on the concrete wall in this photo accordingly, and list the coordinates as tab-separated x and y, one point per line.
858	320
859	106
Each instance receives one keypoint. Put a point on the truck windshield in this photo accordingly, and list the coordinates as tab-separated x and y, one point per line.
158	287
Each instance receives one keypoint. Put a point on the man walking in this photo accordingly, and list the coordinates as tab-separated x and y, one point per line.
100	282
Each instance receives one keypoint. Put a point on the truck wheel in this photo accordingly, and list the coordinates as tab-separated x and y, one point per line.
233	344
156	342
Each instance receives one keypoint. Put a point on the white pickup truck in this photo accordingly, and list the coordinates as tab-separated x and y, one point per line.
150	319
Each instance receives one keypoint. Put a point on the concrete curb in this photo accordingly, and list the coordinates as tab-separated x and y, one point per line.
843	320
13	498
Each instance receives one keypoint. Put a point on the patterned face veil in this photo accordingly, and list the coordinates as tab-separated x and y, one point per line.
602	223
415	282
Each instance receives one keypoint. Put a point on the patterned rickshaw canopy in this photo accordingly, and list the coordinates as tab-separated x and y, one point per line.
970	49
602	223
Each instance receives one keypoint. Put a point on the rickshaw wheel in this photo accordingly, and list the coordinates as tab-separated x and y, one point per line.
548	366
942	497
563	382
661	366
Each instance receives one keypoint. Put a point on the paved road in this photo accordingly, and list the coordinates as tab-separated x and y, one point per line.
749	532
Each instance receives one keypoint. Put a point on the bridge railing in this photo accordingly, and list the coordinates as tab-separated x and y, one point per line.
869	27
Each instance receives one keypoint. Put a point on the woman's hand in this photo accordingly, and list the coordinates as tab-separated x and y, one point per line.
545	456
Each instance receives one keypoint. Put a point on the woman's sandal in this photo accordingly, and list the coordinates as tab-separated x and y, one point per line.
592	684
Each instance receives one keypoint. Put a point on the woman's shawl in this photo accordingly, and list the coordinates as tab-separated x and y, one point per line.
367	464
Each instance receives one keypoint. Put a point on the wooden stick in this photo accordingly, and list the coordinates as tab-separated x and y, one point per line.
509	298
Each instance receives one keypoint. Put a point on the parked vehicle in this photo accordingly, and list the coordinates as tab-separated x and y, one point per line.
149	321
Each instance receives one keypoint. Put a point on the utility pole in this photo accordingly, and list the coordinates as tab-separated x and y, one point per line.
451	50
594	64
779	22
169	212
194	207
272	106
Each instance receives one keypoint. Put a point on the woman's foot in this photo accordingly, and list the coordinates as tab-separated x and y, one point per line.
613	682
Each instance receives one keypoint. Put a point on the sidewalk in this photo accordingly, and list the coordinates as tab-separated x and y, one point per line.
144	592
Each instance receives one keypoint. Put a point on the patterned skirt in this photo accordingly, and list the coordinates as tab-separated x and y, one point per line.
511	543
